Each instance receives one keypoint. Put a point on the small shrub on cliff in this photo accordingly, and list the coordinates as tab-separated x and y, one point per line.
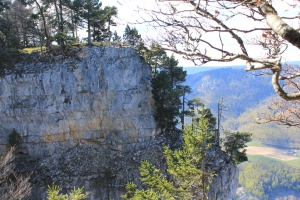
76	194
189	179
14	139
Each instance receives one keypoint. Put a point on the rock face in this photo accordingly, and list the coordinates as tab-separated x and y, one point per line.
87	120
99	95
225	183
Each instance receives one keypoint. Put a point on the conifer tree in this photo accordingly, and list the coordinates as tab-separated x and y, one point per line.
234	145
167	101
176	73
87	10
4	5
167	90
14	139
53	193
101	23
155	57
116	37
186	167
132	37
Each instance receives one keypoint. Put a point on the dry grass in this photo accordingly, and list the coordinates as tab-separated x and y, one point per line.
14	186
270	152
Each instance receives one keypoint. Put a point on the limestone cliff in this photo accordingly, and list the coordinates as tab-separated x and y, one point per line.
87	120
99	95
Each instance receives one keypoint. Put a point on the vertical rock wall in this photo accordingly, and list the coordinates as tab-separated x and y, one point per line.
87	120
99	95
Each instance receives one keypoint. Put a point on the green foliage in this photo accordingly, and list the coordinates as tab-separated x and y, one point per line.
14	139
132	37
154	57
13	24
87	10
261	178
167	101
32	22
185	166
53	193
167	77
116	37
234	145
4	5
194	105
269	133
167	89
206	113
258	94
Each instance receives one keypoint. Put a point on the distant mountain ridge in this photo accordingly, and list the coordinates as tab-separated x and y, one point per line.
245	96
197	69
240	90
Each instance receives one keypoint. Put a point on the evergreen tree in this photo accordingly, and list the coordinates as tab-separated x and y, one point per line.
88	10
116	37
166	83
4	5
234	145
155	57
206	112
197	110
185	166
102	23
176	73
183	91
58	12
167	101
132	37
53	193
14	139
13	26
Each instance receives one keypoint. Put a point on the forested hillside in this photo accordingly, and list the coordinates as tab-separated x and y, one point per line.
239	89
270	180
246	97
269	133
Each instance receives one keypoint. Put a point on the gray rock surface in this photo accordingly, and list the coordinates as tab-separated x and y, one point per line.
87	120
98	94
225	183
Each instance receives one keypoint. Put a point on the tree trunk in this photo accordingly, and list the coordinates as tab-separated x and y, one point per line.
89	30
283	29
44	24
61	24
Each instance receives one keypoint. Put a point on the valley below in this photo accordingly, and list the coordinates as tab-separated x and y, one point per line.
270	152
272	171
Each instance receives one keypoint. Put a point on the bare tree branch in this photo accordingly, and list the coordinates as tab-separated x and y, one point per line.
13	186
192	29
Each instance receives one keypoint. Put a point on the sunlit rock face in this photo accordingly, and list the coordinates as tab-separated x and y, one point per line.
96	95
86	120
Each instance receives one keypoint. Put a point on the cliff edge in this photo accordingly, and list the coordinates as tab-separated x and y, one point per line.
99	95
87	120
